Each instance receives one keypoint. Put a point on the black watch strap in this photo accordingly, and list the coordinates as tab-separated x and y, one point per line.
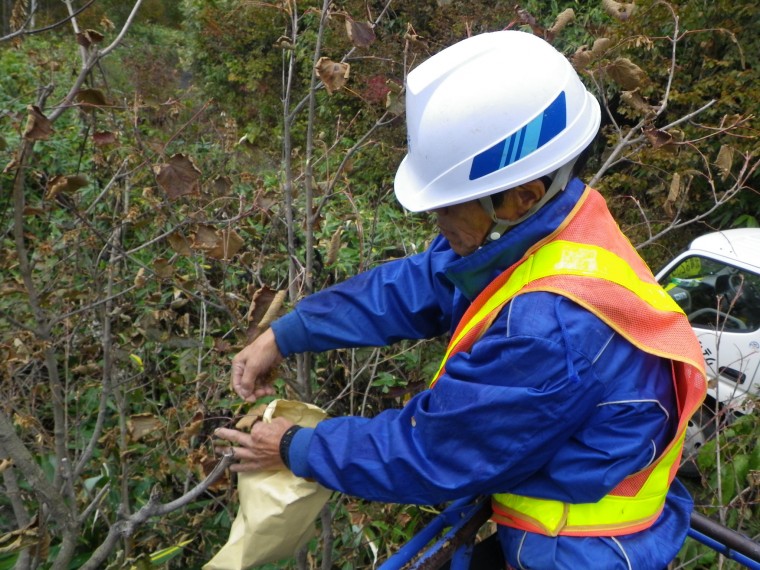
287	439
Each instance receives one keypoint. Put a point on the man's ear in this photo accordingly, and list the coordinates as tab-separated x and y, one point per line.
527	195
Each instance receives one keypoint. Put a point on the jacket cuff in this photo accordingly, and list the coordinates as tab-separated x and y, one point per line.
288	332
298	452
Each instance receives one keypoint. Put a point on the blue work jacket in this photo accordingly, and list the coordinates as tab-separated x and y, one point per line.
550	402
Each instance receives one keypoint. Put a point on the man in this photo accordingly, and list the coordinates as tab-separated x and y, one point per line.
570	374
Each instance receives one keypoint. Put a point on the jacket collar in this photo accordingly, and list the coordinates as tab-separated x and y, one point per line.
471	274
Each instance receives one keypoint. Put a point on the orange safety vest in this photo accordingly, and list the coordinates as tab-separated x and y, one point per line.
588	260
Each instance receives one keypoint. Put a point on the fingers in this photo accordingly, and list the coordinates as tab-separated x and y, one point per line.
243	382
233	436
251	367
257	450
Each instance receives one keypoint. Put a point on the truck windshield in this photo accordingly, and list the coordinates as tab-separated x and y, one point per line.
715	295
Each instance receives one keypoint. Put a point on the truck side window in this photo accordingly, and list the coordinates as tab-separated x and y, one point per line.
715	295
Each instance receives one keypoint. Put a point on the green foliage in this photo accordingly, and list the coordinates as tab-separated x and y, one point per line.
727	490
716	54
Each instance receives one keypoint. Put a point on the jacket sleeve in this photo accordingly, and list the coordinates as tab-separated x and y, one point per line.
408	298
499	417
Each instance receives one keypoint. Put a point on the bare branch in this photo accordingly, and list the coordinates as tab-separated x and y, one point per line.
153	508
33	475
22	31
747	172
672	71
130	19
92	59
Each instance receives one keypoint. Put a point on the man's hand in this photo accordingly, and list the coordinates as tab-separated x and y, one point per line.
258	450
251	367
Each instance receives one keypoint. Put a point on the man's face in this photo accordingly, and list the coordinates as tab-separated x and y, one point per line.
464	225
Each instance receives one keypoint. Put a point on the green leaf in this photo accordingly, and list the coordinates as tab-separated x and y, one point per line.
754	462
90	482
740	466
706	456
8	561
728	483
745	221
163	556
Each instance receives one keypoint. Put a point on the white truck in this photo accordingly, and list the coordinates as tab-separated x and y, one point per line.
716	281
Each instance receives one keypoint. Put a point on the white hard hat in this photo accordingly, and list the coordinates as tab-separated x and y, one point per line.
490	113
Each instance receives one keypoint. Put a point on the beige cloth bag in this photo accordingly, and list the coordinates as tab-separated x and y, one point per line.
277	509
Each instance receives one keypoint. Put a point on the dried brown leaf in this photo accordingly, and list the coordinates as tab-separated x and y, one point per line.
332	73
414	40
361	34
251	417
658	138
679	188
163	268
178	177
600	46
91	98
221	186
529	19
107	24
583	56
139	280
725	160
192	429
565	17
626	74
204	464
620	10
283	42
12	165
218	244
86	369
394	101
20	539
104	138
673	194
89	37
67	184
636	102
265	305
222	346
179	244
142	425
38	126
335	243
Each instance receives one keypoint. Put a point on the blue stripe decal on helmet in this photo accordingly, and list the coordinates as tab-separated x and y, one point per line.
554	120
521	143
507	150
532	136
518	150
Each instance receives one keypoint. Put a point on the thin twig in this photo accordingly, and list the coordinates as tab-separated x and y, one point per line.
153	508
23	32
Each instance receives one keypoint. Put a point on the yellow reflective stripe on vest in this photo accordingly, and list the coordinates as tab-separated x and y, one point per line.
569	258
611	512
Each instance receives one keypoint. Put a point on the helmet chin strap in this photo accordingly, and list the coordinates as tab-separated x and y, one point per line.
500	226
